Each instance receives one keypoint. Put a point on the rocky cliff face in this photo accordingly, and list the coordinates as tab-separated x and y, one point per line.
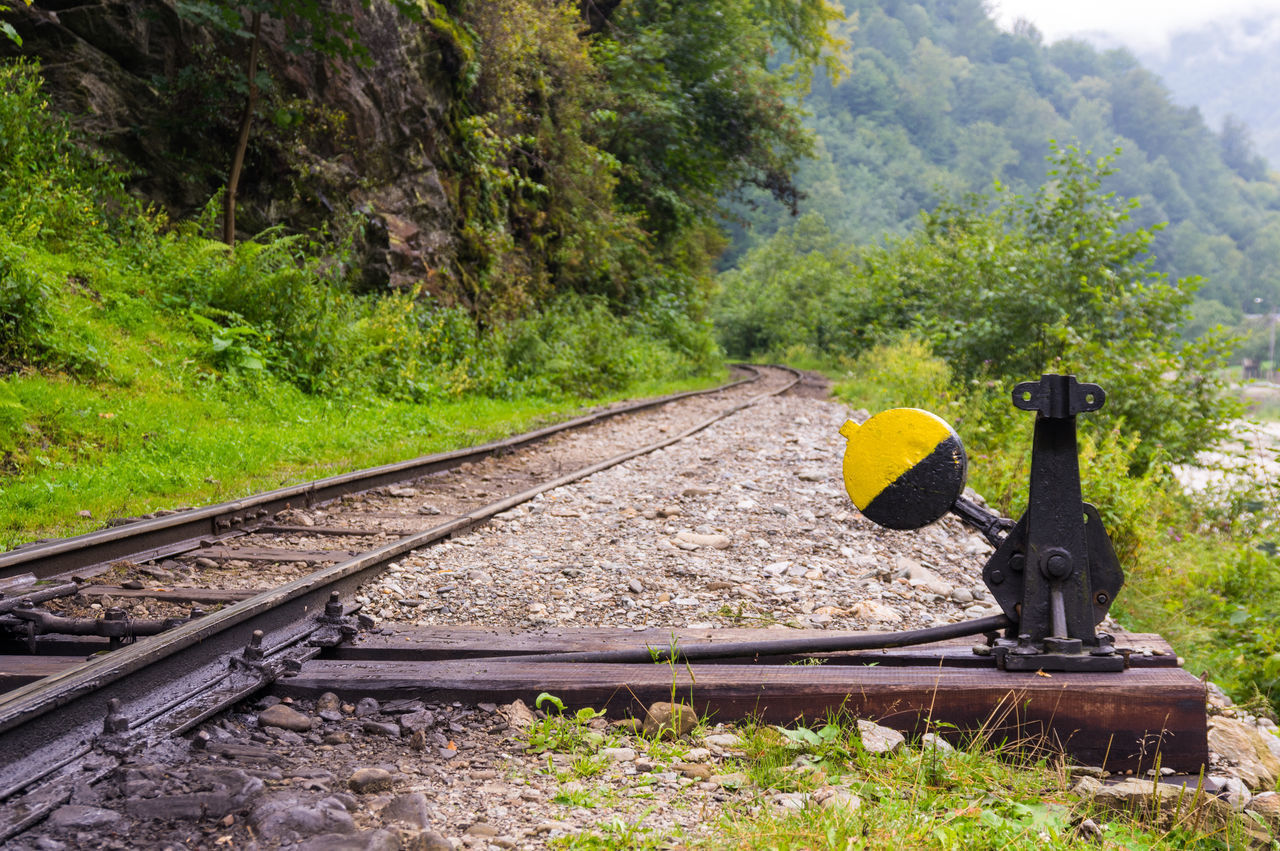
333	136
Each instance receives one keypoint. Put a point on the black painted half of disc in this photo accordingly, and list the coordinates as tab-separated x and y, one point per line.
924	493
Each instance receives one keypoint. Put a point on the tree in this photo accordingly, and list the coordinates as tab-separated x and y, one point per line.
1236	144
703	105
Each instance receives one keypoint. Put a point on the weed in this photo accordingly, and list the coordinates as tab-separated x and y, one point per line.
589	765
573	795
616	833
560	733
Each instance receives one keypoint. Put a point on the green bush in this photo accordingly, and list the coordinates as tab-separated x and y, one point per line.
24	309
51	190
1003	288
902	374
577	346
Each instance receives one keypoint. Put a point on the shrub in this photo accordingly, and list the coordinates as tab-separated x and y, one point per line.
24	312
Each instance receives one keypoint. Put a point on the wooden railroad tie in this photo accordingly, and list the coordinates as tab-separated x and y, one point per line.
1122	720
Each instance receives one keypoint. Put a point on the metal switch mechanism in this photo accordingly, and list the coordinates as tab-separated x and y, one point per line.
1055	572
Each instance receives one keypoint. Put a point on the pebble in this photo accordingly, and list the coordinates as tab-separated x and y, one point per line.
365	780
669	719
723	740
697	771
933	740
410	808
875	611
841	800
518	714
381	728
285	717
73	816
877	739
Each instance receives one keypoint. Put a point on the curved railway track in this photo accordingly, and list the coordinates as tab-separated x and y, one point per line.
242	593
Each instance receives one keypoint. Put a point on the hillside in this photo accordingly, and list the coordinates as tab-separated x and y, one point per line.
939	102
1228	70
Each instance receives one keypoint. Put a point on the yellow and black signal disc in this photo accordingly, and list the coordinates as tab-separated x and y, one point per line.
903	468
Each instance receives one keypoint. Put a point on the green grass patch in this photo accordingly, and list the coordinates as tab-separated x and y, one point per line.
120	452
818	787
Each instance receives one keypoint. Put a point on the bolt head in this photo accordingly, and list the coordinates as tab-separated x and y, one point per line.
1056	563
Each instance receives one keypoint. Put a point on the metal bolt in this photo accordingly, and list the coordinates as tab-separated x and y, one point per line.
254	651
114	722
997	576
333	608
1025	647
1056	563
1102	598
1017	562
115	613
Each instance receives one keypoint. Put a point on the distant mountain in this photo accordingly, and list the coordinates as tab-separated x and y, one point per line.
1229	69
941	101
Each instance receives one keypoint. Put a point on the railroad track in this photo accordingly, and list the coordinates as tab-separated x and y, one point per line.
183	615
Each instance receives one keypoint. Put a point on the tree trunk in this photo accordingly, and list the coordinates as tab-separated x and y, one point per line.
242	143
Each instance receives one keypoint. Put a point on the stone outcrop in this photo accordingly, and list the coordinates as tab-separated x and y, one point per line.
149	88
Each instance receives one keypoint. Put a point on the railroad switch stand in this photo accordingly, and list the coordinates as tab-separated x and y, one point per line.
1055	572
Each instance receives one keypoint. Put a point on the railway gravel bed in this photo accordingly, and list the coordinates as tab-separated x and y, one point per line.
743	524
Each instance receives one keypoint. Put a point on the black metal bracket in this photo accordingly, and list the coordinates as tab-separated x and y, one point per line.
1055	573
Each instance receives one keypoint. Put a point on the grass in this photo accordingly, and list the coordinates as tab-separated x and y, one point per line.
117	450
977	796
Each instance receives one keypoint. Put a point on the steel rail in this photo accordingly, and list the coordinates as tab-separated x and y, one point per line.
48	724
159	537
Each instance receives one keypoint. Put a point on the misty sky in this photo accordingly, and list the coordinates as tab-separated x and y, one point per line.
1142	25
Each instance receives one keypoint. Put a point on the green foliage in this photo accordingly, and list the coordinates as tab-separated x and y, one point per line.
783	293
701	106
313	25
904	373
1003	288
141	362
24	312
560	733
973	796
51	191
7	30
596	162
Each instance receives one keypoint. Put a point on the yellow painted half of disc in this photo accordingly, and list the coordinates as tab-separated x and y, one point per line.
885	447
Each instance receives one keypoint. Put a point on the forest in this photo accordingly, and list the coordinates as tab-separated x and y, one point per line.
939	102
